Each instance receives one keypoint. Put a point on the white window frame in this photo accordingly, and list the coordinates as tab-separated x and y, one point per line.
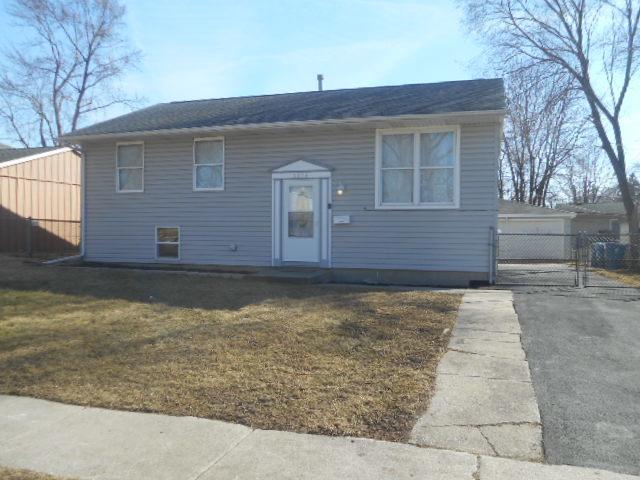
118	168
179	243
195	165
416	204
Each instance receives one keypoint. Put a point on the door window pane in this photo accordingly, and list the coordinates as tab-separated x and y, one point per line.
436	149
301	211
397	151
397	186
301	199
301	224
436	185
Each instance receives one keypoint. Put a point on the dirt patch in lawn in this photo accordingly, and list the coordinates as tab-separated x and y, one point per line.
13	474
623	276
320	359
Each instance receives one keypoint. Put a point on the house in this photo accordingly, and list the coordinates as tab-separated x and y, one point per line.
604	216
40	206
389	184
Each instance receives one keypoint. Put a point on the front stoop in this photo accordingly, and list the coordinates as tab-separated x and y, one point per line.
484	401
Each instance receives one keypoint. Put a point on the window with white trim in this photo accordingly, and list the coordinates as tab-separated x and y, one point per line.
168	242
208	164
417	168
130	167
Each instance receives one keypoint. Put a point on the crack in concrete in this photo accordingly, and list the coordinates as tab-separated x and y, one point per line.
486	439
220	457
454	349
493	340
485	378
478	425
476	473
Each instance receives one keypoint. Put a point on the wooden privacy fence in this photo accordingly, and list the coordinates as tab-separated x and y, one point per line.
36	236
40	202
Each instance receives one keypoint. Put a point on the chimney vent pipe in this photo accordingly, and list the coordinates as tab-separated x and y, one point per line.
320	79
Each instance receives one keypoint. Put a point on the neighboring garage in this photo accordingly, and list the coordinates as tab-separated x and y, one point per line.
528	232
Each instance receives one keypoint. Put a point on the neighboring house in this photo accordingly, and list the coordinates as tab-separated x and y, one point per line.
385	184
605	216
40	207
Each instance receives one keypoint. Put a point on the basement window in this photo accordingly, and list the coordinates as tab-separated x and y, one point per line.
168	243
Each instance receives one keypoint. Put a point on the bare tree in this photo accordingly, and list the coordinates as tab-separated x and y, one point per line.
593	42
543	130
587	178
66	68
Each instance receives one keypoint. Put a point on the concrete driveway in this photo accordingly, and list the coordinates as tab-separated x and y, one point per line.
583	347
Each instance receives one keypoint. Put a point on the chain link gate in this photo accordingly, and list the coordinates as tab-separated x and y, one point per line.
580	260
541	259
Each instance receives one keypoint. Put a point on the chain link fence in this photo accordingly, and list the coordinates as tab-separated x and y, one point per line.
580	260
544	259
610	260
40	237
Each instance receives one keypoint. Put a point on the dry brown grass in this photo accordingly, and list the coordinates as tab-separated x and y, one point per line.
322	359
623	276
13	474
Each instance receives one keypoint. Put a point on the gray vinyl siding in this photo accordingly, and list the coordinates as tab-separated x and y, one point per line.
121	226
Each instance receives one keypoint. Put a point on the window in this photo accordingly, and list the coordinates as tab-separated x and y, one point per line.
417	168
614	226
130	167
301	211
208	164
168	242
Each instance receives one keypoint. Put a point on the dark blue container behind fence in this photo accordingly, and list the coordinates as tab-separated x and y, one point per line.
615	255
609	255
598	255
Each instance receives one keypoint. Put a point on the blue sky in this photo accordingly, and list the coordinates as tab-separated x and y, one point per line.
254	47
206	49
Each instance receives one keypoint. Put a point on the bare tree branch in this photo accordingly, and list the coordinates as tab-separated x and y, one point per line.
591	42
67	66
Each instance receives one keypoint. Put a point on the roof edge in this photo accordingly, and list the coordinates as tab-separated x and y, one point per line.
271	125
17	161
538	215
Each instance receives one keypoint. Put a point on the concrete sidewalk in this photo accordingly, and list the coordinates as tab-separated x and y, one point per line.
93	443
484	401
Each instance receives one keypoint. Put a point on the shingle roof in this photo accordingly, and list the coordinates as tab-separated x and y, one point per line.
607	208
510	207
417	99
7	154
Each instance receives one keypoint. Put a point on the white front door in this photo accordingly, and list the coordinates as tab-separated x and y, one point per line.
301	222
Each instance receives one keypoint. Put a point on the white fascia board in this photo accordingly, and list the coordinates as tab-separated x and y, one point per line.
497	115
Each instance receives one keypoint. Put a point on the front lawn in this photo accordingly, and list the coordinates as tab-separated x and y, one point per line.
323	359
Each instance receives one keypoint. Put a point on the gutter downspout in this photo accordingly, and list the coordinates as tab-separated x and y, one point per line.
83	204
